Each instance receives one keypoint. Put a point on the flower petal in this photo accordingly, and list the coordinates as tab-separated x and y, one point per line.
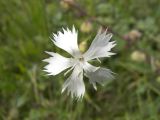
74	84
98	75
89	68
67	41
57	63
100	47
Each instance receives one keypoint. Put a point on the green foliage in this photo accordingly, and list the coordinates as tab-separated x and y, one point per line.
26	93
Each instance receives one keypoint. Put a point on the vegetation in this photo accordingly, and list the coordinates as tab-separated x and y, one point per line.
26	93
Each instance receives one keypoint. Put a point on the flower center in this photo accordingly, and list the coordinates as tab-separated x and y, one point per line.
81	59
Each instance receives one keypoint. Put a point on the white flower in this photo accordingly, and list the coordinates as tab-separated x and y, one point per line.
99	48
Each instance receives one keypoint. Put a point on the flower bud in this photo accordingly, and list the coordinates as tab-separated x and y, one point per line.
64	4
86	27
133	35
138	56
158	79
83	46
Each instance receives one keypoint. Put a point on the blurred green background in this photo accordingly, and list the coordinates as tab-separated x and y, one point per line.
26	93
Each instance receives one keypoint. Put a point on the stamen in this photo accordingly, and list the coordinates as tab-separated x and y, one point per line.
99	60
68	71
